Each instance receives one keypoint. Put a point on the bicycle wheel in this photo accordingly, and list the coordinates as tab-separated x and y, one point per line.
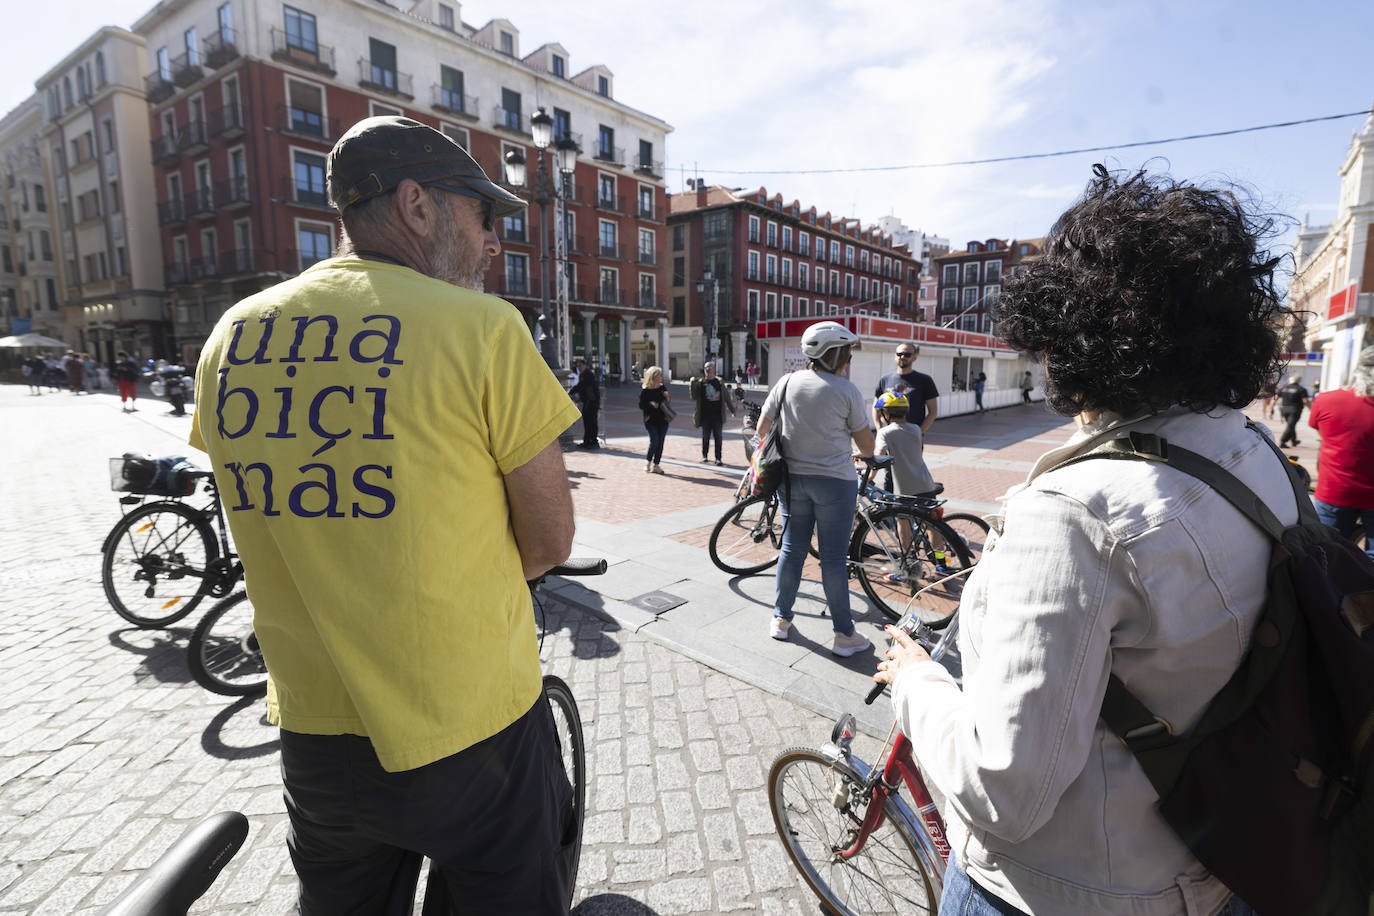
154	561
223	654
818	805
893	555
972	529
748	538
568	730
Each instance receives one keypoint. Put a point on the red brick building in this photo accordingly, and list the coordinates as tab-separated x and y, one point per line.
773	260
970	281
247	98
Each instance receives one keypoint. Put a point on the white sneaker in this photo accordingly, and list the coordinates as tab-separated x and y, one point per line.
852	644
780	628
648	468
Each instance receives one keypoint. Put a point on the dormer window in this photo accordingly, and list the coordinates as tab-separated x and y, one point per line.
558	66
508	43
603	86
446	17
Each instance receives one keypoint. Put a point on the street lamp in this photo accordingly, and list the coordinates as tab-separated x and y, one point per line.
710	311
553	345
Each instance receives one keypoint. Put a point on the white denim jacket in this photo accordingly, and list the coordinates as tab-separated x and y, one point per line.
1105	566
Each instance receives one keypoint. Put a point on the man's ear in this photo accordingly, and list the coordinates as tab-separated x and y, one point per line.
415	208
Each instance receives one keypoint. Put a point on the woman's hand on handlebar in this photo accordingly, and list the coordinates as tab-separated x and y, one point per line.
904	652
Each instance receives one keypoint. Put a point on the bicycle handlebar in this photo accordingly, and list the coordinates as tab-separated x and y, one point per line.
185	871
588	566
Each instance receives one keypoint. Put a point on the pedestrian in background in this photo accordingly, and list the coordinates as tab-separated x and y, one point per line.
1344	418
76	372
34	367
653	399
1267	395
712	398
978	385
918	388
820	412
126	377
1292	399
1027	384
588	396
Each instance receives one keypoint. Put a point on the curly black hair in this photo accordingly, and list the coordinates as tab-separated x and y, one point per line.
1151	293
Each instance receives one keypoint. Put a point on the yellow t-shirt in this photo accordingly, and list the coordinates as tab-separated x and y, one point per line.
360	419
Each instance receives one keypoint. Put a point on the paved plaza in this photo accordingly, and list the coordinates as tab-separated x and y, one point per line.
108	750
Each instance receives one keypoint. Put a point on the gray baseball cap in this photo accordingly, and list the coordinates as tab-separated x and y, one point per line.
377	154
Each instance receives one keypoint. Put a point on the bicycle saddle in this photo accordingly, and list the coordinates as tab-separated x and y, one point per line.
185	871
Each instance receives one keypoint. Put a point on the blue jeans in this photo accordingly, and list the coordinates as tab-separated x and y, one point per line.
658	432
1343	520
825	504
963	897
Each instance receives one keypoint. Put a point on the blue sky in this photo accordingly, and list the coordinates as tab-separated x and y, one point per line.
826	84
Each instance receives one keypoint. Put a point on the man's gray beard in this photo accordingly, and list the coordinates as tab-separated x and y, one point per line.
448	261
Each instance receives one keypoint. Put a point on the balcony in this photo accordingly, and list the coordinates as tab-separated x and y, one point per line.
220	48
171	211
305	195
226	122
80	165
243	261
186	69
166	150
613	251
378	78
647	300
206	268
509	119
200	203
298	122
176	274
646	211
651	167
615	155
648	257
609	295
515	286
614	203
579	245
454	103
193	138
232	193
157	86
292	49
295	260
770	276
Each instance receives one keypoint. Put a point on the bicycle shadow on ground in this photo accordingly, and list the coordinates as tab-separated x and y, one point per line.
574	475
588	631
163	651
612	905
237	719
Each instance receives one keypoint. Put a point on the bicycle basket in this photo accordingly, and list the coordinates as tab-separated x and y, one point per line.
151	476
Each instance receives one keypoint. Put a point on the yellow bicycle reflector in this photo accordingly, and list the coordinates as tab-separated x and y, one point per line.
174	601
145	527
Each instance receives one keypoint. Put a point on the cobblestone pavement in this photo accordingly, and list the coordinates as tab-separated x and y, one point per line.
108	750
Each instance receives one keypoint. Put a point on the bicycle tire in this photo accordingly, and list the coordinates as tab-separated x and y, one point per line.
972	529
573	749
891	574
223	654
888	875
157	544
748	538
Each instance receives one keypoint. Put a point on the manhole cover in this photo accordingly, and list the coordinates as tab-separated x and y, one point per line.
657	602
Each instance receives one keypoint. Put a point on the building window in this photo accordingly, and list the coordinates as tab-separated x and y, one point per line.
801	275
515	227
771	268
646	202
192	47
786	271
225	16
315	242
849	286
786	306
849	256
605	185
951	275
40	199
508	43
164	71
752	309
517	274
558	66
510	108
834	252
383	63
646	291
309	177
992	273
770	305
456	134
606	235
300	31
305	108
646	156
754	229
772	235
971	272
679	237
863	287
991	296
786	238
52	292
804	244
610	282
753	273
679	271
605	142
451	87
949	300
445	17
562	124
679	311
603	86
99	68
647	255
970	297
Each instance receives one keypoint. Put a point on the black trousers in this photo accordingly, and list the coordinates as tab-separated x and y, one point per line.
1290	426
495	820
711	426
590	430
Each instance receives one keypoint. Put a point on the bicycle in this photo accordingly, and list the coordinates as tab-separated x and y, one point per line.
162	558
223	652
897	544
856	842
186	870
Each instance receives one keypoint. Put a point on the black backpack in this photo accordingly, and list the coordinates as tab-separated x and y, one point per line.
1273	790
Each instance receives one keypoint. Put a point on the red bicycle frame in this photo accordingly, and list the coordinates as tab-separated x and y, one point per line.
900	762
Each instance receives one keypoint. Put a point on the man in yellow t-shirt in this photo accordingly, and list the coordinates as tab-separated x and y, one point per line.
385	439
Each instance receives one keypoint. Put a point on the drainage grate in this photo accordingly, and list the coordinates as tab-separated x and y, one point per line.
657	602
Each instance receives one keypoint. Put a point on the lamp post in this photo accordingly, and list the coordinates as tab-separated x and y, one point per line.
710	311
554	344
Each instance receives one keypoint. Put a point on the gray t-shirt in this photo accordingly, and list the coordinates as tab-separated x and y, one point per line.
903	441
819	414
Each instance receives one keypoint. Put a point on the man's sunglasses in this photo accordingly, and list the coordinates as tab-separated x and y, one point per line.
906	355
489	210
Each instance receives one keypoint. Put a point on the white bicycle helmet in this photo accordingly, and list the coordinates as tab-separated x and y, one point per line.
824	336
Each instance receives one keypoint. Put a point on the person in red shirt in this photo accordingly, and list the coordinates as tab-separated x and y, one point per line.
1345	465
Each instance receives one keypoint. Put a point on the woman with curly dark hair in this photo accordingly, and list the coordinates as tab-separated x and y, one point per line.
1153	310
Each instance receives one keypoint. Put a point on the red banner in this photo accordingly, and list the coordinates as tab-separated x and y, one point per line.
1342	303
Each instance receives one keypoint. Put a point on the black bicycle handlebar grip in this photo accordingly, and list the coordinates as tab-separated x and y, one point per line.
584	566
873	694
185	871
